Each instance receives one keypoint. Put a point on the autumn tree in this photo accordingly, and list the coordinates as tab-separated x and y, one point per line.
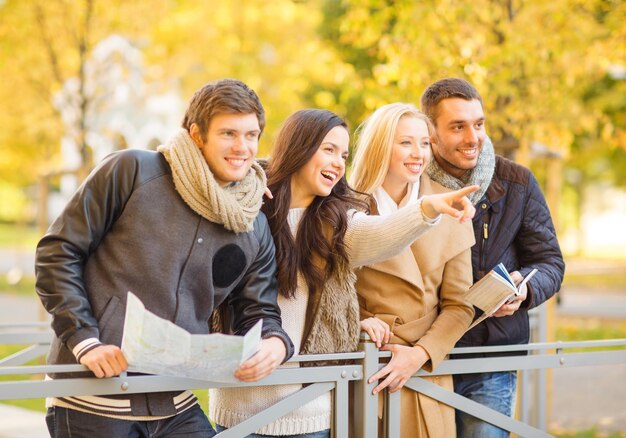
44	44
272	45
531	60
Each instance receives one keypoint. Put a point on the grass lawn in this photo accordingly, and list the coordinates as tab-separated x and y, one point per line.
589	329
33	404
592	433
25	287
615	281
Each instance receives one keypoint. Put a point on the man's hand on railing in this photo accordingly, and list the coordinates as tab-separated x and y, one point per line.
271	354
378	330
405	361
105	361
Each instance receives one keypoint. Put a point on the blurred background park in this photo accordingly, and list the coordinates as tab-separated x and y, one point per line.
83	78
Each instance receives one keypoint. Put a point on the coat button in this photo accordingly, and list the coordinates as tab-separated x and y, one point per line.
483	206
200	240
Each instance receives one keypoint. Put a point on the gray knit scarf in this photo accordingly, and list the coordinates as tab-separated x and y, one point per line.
234	206
480	175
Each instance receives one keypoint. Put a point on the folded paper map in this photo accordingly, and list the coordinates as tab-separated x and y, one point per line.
155	345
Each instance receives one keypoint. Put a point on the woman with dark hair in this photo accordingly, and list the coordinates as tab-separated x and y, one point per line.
320	237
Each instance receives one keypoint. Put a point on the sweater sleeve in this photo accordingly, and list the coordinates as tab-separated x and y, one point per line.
372	239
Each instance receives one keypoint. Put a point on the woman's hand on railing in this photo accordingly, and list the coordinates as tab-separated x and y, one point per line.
270	355
105	361
378	330
405	361
455	204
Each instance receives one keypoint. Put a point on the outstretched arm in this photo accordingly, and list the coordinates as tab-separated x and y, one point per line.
371	239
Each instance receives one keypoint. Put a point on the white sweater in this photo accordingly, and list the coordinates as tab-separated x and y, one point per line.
369	239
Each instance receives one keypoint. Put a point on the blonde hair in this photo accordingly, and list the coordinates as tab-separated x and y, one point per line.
375	137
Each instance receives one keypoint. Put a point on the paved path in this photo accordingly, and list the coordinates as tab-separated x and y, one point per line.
21	423
24	259
589	397
600	304
15	309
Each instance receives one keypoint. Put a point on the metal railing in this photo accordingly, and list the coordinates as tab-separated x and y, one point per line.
317	381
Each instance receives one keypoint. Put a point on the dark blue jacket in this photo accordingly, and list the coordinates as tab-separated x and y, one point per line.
513	226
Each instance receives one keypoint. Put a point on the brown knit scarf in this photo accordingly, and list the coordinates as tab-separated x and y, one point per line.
235	206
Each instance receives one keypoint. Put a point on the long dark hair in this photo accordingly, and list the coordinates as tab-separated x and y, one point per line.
321	249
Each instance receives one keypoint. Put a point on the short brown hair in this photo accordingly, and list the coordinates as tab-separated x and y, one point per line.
446	89
223	96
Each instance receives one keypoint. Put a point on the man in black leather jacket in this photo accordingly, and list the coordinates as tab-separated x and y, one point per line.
512	225
181	229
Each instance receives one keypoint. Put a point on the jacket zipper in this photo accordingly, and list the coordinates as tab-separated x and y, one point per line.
482	246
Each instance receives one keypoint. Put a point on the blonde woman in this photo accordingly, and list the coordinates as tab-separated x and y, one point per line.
413	302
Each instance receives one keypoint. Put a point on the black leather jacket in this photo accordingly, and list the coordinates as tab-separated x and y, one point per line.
127	229
513	226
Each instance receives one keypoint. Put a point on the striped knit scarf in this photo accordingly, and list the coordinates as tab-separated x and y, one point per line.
235	206
480	175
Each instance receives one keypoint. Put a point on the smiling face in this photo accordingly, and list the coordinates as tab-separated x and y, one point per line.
325	168
409	155
460	133
231	144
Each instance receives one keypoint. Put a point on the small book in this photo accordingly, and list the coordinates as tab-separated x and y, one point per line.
492	291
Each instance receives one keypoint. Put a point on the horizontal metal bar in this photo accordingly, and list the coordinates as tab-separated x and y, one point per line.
139	384
22	325
326	357
35	337
42	369
450	366
493	364
542	346
279	377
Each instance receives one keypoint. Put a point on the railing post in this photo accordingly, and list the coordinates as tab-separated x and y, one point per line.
365	403
392	414
541	390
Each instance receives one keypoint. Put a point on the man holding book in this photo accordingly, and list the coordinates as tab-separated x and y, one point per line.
512	226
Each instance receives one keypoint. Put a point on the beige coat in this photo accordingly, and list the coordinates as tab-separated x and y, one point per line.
419	293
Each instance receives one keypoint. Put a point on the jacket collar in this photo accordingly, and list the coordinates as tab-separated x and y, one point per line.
494	193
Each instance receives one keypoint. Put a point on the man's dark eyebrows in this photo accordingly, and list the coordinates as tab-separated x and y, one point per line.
463	121
227	129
